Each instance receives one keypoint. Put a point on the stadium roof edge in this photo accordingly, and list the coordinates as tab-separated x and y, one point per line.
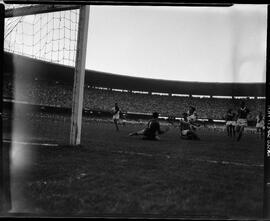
160	79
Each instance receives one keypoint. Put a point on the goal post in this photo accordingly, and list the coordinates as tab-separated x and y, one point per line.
79	75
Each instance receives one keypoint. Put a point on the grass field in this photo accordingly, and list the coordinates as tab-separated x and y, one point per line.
112	174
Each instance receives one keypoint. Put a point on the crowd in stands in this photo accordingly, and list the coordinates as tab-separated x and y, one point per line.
56	94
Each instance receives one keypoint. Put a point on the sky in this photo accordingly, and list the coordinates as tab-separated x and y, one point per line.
209	44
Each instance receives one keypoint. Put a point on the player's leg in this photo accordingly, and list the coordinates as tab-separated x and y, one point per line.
116	124
257	131
261	132
228	129
190	135
241	130
137	133
157	137
194	136
233	130
237	128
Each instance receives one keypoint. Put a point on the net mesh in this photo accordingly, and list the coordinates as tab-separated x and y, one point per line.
49	36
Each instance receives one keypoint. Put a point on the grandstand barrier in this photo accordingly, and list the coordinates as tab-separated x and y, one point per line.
8	106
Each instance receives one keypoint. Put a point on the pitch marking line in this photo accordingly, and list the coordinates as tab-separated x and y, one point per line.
201	160
142	154
232	163
30	143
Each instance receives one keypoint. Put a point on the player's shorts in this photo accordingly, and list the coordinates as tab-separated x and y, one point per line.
184	132
116	117
260	125
231	123
192	118
241	122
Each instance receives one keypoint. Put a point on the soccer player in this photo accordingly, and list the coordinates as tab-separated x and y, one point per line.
234	123
192	114
241	122
230	123
171	120
186	129
152	129
192	117
260	124
116	115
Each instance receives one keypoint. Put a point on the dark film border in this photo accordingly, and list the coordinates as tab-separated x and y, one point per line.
266	205
5	194
5	203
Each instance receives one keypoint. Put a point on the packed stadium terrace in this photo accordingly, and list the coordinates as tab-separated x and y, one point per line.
56	94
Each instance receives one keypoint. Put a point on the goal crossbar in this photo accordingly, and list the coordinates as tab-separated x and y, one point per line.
38	9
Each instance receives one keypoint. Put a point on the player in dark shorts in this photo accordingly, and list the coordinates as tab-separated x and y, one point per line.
230	123
186	129
241	122
152	129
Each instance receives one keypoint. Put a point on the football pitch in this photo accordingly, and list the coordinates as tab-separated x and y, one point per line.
113	174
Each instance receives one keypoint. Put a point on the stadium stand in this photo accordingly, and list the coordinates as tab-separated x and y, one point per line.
53	93
46	83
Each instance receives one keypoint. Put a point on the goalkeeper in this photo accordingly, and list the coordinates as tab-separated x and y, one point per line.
152	131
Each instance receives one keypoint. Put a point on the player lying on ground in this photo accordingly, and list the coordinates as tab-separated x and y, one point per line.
152	129
241	122
186	129
260	124
230	123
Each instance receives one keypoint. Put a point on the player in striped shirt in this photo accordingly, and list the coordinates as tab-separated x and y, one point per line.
230	123
187	129
116	115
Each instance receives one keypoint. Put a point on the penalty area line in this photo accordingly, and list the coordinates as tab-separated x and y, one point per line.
30	143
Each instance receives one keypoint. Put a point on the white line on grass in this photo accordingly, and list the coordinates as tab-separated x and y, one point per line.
200	160
30	143
133	153
228	162
145	154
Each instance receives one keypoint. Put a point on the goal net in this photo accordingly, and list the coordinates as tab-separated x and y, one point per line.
48	36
